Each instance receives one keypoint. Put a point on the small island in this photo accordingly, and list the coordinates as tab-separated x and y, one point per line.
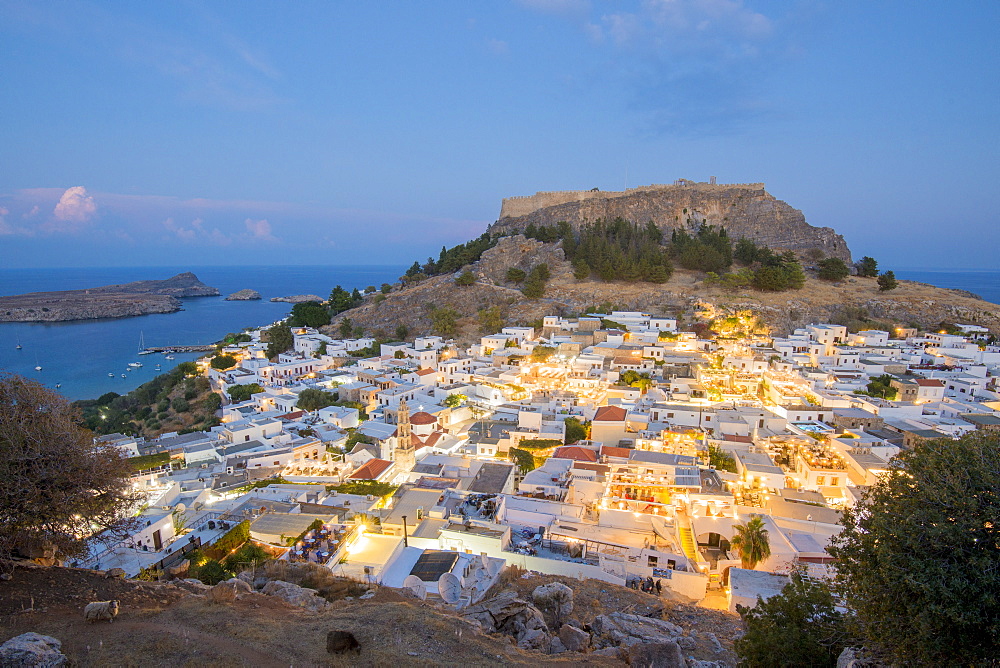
297	299
243	296
110	301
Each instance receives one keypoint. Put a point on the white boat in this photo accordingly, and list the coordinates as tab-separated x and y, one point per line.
38	368
169	357
112	375
135	365
124	376
18	346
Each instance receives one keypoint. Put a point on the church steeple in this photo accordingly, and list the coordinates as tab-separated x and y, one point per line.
405	454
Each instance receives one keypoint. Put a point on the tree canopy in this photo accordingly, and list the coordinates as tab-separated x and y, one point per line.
752	542
309	314
59	486
312	399
887	281
801	626
919	555
833	269
223	362
867	267
240	393
279	339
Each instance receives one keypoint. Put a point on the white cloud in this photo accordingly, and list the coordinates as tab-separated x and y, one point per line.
75	206
260	230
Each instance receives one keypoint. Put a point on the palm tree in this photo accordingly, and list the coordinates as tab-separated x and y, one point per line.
752	542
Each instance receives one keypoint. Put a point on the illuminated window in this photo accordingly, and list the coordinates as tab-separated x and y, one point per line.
820	479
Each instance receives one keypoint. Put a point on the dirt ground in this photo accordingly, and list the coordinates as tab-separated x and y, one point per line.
162	625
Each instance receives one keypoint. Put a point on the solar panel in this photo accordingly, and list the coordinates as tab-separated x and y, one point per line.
432	564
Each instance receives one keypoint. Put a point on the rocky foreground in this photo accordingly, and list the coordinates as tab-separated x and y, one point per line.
265	620
854	301
110	301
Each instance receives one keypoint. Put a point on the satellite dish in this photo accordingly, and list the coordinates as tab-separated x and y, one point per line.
659	527
449	587
484	562
180	508
494	567
416	585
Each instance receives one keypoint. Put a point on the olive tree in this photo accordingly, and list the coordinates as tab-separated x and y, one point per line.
60	488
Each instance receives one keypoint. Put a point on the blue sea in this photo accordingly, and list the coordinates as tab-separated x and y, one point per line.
80	355
985	283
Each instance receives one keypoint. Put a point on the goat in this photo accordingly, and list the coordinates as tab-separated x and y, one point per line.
99	610
338	642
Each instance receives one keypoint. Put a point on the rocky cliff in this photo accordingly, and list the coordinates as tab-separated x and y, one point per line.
745	210
109	301
855	301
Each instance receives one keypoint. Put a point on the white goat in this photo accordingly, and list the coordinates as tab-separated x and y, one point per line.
101	610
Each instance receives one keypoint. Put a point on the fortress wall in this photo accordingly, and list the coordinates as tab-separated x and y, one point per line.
513	207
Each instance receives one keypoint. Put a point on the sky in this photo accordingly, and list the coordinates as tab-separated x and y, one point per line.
374	133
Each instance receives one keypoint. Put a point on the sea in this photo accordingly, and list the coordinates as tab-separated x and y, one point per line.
90	357
84	359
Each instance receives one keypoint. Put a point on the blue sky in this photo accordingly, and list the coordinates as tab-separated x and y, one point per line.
375	133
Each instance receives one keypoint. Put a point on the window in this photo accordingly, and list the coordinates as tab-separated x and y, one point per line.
247	437
834	481
820	480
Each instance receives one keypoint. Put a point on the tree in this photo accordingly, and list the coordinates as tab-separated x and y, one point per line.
490	320
312	399
581	270
575	430
402	331
239	393
223	362
346	327
833	269
444	322
867	267
887	281
455	400
385	289
752	542
466	279
60	488
309	314
280	339
721	459
801	626
515	275
919	555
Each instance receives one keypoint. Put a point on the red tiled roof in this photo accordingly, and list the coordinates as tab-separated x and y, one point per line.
610	414
736	438
425	372
292	416
575	452
430	441
587	466
612	451
370	470
422	417
929	382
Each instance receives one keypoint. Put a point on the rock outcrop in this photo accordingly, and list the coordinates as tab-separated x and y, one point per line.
243	296
745	210
109	301
32	650
293	594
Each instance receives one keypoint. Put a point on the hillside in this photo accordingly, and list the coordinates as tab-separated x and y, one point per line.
745	210
854	301
174	624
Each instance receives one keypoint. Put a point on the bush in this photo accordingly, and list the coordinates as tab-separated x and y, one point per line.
212	572
231	540
887	281
248	556
180	405
467	278
240	393
223	362
312	399
833	269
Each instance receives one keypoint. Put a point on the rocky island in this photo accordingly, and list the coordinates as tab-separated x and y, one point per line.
110	301
243	296
297	299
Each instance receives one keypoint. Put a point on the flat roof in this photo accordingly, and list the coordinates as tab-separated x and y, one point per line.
432	564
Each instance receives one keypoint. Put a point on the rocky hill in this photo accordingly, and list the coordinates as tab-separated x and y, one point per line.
745	210
109	301
854	301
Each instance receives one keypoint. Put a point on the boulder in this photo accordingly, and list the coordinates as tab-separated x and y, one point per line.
574	639
179	571
32	650
116	573
193	586
647	629
557	646
505	613
222	593
656	655
555	600
714	642
604	624
534	639
241	586
613	652
300	597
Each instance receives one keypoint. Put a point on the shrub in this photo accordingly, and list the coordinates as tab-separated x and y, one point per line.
515	275
833	269
223	362
466	279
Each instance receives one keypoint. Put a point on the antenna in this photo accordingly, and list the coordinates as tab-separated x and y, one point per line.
449	588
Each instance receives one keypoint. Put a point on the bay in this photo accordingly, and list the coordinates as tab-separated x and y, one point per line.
80	355
985	283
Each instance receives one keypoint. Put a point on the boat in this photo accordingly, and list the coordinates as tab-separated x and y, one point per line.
58	385
142	346
18	346
135	365
112	375
124	376
169	357
38	368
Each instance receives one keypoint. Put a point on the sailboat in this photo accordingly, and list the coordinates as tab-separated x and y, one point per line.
18	346
142	346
